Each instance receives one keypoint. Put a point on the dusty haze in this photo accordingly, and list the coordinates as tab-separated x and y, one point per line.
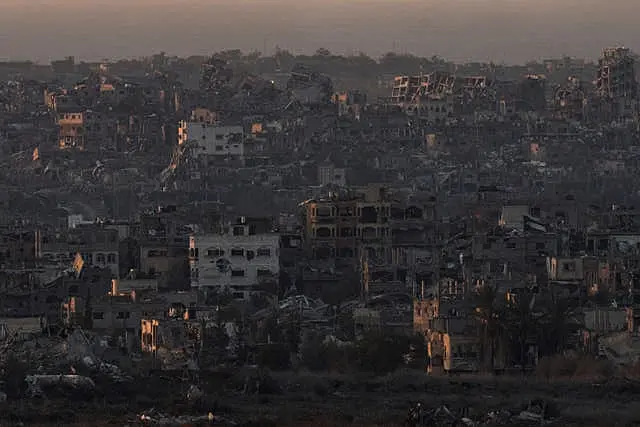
499	30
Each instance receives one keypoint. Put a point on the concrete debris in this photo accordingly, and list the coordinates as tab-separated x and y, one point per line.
80	351
537	412
109	369
155	417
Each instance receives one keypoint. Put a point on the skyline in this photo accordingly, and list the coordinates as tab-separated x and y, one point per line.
512	31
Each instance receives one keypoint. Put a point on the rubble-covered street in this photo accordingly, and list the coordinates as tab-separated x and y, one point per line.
305	399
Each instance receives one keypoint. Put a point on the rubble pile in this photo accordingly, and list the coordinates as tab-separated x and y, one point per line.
535	413
155	417
80	351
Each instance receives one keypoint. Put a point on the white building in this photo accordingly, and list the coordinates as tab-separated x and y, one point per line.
213	142
330	175
236	261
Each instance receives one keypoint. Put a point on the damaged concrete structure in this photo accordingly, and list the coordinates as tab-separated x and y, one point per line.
616	84
240	258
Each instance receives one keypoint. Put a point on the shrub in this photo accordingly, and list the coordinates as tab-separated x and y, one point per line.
375	353
14	374
318	356
381	354
274	356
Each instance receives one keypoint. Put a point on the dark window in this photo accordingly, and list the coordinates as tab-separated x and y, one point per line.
323	211
215	252
264	252
123	315
98	315
237	273
346	232
237	252
323	232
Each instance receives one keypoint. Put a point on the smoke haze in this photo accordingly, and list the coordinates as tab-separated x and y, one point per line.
499	30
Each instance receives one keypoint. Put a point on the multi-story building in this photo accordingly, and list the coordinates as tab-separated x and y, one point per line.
97	245
213	143
237	259
18	247
80	128
71	130
616	82
163	249
349	226
328	174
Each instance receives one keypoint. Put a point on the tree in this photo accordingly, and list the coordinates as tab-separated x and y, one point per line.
521	324
253	56
557	323
230	55
284	59
323	52
488	312
13	376
380	353
214	346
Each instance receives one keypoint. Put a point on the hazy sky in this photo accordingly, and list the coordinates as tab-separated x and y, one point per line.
500	30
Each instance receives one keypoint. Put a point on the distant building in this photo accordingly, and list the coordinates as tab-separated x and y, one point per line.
616	83
97	245
237	260
345	226
82	128
328	174
213	143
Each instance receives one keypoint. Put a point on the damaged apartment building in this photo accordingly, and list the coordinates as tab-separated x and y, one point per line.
240	257
368	231
616	84
441	97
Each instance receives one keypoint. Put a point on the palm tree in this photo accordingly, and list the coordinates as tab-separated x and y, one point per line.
489	313
522	324
557	324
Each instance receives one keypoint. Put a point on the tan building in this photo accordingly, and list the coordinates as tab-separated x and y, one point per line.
78	129
349	226
96	244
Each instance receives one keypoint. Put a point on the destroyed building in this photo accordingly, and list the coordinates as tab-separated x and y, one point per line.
616	83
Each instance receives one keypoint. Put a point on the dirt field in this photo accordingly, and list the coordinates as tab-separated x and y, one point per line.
305	399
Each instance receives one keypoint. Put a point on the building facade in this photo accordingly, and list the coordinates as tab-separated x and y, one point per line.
212	142
237	260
